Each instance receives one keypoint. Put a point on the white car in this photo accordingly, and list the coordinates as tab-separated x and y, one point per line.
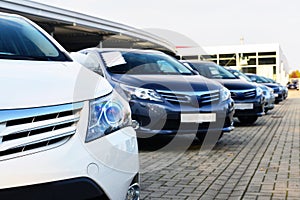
64	132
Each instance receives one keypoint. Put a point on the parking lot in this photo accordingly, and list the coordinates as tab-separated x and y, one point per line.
252	162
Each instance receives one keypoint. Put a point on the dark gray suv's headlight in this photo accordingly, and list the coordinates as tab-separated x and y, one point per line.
107	114
141	93
224	94
259	91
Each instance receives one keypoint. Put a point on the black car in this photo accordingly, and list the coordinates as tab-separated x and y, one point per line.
294	84
165	96
278	90
248	98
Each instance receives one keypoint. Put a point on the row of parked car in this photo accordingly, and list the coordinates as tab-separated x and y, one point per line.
168	96
67	120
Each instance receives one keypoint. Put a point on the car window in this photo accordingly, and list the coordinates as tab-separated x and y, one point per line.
214	71
143	63
260	79
241	75
201	71
20	40
270	80
166	67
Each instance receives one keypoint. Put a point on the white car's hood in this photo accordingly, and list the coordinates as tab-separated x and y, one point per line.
27	84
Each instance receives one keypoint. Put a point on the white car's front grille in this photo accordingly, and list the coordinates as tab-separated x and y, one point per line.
29	130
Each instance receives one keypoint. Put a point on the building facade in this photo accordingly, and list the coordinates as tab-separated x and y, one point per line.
262	59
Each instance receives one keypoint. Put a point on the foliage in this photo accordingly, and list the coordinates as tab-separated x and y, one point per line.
295	74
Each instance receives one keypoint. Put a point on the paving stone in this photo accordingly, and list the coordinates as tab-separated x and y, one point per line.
252	162
262	197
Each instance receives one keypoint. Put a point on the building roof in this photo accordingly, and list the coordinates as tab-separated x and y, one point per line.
242	48
76	30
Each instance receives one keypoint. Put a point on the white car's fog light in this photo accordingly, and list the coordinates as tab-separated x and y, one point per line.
133	192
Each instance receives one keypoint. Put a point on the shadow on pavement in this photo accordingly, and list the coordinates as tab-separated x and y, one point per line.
160	141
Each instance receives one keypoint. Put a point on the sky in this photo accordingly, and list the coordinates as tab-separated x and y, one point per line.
209	22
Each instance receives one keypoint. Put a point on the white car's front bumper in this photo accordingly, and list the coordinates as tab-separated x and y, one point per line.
109	163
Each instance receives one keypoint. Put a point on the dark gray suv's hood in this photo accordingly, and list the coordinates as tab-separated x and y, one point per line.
169	82
236	84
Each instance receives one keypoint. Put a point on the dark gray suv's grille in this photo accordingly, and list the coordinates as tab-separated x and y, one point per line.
205	97
243	94
210	97
27	130
175	97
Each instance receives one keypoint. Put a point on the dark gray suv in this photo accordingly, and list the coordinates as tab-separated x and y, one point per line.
165	96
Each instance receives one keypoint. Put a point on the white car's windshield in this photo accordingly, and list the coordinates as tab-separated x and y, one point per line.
22	41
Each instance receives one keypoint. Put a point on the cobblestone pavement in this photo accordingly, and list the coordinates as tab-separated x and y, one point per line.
252	162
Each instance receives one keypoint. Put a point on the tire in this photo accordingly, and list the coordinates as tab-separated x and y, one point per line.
249	120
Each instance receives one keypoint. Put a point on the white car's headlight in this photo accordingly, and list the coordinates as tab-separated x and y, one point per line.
141	93
107	114
259	91
224	94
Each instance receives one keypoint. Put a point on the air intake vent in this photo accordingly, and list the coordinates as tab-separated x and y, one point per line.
28	130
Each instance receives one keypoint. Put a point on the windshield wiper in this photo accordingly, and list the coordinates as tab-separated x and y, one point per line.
229	78
187	73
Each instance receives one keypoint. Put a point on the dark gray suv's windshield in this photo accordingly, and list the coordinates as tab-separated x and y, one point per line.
22	41
142	63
